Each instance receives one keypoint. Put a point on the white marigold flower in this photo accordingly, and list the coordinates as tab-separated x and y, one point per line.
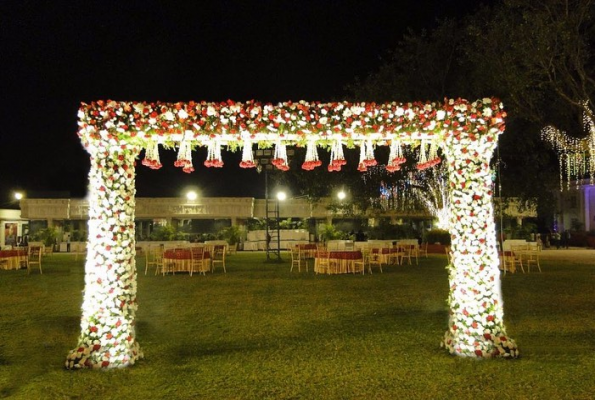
210	111
323	120
169	116
400	111
182	114
347	113
486	100
440	115
487	112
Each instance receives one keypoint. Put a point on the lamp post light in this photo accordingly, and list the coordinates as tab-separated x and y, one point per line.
341	195
18	196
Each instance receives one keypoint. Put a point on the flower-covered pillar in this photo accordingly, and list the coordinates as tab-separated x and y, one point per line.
107	338
476	327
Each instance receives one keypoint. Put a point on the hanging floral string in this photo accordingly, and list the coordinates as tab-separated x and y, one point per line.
214	155
337	156
151	159
422	162
370	160
311	160
433	158
361	166
247	154
280	160
184	160
395	156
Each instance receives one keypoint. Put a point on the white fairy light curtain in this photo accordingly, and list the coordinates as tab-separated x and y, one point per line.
114	133
576	156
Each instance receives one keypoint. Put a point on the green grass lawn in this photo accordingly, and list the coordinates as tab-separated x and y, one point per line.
261	332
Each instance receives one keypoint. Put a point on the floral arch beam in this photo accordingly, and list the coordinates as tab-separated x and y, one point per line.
114	134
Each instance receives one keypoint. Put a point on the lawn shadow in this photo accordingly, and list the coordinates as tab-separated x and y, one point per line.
357	326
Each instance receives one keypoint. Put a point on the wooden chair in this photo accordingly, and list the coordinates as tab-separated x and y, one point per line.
375	259
218	257
154	258
297	259
34	258
515	258
198	261
532	259
322	261
408	250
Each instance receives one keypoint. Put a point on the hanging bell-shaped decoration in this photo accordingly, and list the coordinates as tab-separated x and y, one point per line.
311	160
214	154
247	154
280	160
151	159
184	160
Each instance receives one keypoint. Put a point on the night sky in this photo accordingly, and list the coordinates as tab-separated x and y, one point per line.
56	54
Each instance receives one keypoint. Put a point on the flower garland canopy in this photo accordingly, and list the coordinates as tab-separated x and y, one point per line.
114	133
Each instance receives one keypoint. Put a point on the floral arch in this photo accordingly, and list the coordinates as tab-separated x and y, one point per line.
114	134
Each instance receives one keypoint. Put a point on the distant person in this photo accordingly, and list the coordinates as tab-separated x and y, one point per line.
565	238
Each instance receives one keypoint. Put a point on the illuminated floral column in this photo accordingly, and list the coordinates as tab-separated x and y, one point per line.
476	327
107	338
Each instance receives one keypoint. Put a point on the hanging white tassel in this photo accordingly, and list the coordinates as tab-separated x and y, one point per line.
311	160
214	154
395	156
151	159
184	160
433	158
337	156
280	160
247	154
422	162
361	166
370	160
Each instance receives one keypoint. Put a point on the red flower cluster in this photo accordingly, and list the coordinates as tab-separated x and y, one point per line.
393	167
247	164
310	165
335	165
428	164
186	165
395	164
280	163
153	164
213	163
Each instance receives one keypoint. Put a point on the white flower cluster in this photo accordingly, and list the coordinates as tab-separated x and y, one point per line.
107	338
476	313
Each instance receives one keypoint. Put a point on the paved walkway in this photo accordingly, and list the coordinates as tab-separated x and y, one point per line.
575	254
